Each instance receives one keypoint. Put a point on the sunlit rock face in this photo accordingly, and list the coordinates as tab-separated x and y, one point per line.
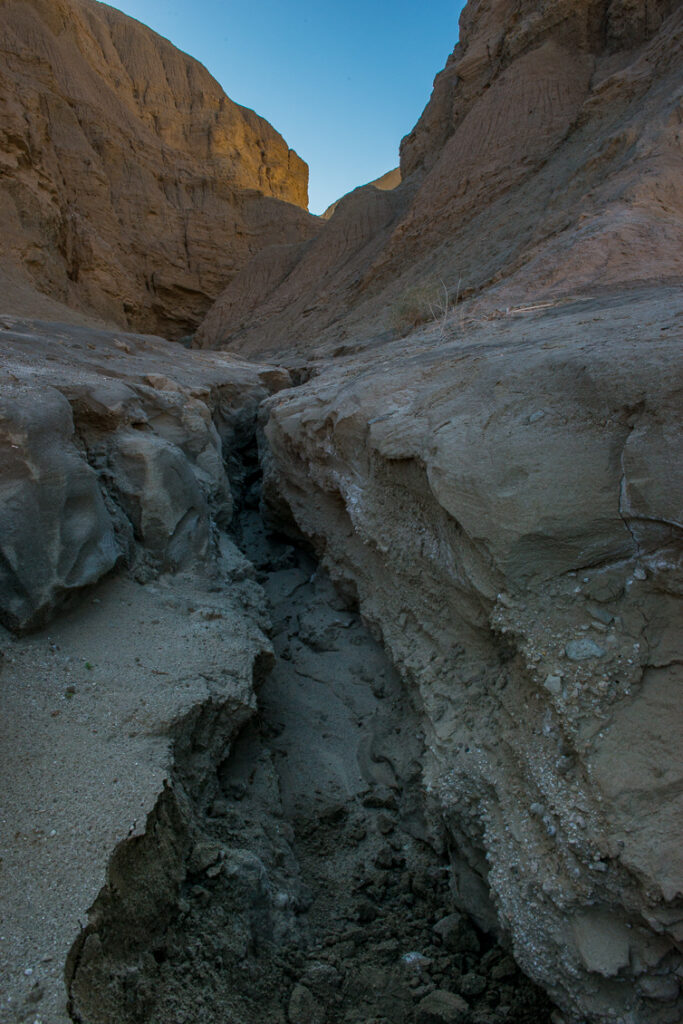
131	185
546	163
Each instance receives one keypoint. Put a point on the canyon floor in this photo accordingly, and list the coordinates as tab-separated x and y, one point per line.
316	889
221	792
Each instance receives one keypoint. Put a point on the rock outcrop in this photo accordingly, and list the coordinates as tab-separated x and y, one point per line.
386	182
498	487
504	502
114	450
547	163
131	186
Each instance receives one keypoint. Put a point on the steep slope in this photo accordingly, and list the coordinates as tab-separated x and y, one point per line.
546	163
131	186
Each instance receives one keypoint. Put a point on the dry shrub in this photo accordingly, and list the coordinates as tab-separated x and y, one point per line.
425	302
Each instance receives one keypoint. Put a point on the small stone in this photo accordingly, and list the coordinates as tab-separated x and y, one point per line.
36	993
304	1007
553	684
385	824
204	854
662	987
505	968
322	979
380	797
415	962
583	649
457	934
441	1007
536	416
639	574
601	614
472	984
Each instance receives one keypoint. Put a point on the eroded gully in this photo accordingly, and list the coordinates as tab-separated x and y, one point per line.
310	883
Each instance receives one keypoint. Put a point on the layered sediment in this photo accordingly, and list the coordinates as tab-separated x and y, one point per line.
131	186
546	164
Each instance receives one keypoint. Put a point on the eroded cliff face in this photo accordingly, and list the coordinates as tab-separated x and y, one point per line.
131	186
547	163
504	502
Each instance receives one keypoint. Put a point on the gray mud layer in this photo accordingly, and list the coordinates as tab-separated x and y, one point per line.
303	881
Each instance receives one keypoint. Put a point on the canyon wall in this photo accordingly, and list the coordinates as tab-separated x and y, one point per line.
547	163
114	450
504	503
498	485
481	449
131	186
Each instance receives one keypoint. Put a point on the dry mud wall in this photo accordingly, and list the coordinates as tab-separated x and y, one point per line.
503	505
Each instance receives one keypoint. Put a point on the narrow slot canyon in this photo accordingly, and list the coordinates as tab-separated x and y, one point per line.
341	556
305	878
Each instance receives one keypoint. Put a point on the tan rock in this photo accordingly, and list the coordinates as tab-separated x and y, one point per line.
385	182
131	186
547	164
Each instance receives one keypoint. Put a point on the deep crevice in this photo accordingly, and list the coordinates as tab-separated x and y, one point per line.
308	879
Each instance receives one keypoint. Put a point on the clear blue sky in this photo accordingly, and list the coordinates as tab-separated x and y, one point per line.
343	82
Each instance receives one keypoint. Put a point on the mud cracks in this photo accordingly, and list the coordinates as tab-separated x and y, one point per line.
303	878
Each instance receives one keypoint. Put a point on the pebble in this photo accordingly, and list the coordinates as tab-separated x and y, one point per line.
553	683
442	1007
472	984
583	649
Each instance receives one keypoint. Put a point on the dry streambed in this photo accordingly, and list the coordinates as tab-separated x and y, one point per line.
299	881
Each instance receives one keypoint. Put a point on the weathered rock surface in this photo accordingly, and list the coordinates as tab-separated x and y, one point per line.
107	722
386	182
497	489
113	453
131	186
546	164
504	500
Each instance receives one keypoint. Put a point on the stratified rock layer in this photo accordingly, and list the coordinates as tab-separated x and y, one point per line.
503	498
130	184
546	164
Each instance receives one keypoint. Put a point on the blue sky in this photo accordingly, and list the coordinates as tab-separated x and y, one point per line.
342	82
